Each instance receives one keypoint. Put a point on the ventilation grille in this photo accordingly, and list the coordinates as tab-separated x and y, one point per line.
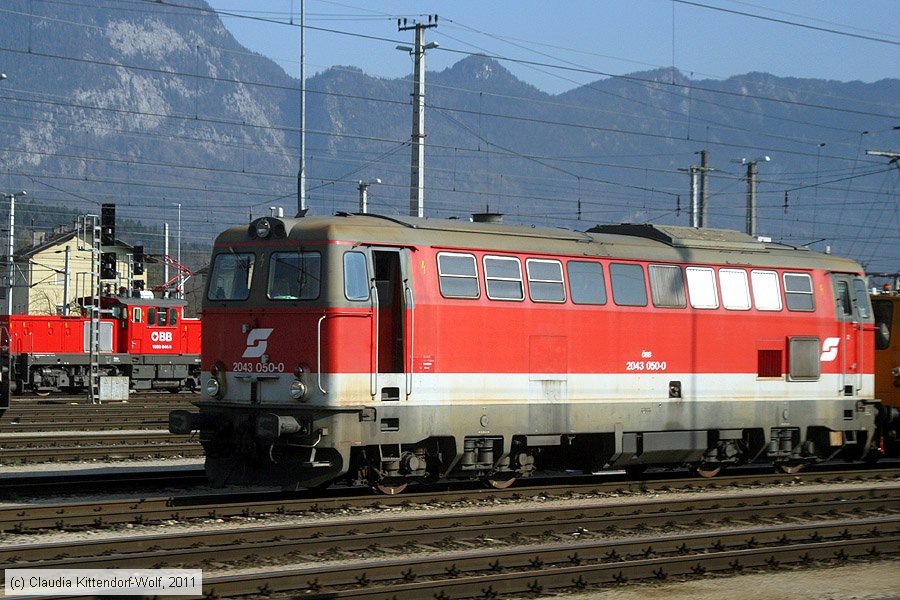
769	363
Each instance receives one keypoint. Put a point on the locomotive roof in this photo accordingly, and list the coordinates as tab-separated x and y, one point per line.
634	241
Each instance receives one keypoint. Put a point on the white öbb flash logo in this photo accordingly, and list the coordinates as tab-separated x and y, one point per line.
830	349
256	342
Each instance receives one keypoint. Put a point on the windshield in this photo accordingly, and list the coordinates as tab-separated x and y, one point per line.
294	275
231	275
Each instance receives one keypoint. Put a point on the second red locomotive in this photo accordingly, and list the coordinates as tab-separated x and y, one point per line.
146	339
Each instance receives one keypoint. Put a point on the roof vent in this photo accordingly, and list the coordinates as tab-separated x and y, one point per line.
487	217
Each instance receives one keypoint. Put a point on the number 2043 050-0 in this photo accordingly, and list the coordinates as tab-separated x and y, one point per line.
645	365
249	367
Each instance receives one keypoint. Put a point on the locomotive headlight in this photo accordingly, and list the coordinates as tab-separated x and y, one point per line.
213	387
263	228
298	390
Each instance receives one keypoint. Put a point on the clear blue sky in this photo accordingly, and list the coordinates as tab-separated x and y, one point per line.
607	36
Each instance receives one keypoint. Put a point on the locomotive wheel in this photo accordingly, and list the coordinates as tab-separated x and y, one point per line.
708	471
501	481
790	468
390	489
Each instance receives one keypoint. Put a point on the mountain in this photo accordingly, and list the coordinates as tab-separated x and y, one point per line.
150	105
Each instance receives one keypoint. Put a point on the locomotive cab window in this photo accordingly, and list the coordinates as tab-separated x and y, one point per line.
766	293
702	287
667	286
628	285
294	275
458	275
356	276
798	292
586	284
232	273
136	314
503	277
862	299
735	289
545	280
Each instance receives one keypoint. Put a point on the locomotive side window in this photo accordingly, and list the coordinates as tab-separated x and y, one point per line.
844	304
136	314
294	275
702	287
735	289
458	275
231	276
862	298
151	316
161	316
503	277
628	285
356	276
798	292
766	294
586	284
173	317
667	286
545	280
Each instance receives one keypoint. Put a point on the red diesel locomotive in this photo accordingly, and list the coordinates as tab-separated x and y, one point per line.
387	350
146	339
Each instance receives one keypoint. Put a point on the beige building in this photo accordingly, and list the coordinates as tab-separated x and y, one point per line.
44	285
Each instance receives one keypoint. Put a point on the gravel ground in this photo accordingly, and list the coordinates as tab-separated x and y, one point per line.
867	581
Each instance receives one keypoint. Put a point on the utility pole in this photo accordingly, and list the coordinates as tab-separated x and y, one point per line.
704	188
699	190
10	248
417	170
693	170
166	263
301	173
363	194
751	192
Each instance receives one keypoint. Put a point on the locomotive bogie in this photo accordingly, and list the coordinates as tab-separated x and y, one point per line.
390	350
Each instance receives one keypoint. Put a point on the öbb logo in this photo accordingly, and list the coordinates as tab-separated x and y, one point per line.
257	342
161	336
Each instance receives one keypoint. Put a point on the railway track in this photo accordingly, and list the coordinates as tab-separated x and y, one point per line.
109	513
74	414
31	448
513	549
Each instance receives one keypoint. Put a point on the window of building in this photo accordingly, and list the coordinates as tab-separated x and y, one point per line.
667	286
545	280
628	285
356	276
231	275
766	293
798	292
735	289
702	287
503	277
586	284
458	275
294	275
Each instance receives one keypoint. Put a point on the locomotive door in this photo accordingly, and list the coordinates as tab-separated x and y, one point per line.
851	310
392	304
